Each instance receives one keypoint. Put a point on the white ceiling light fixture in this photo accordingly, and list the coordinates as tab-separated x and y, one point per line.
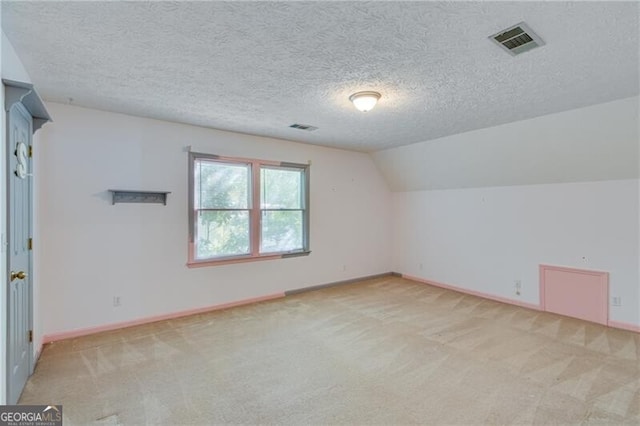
365	101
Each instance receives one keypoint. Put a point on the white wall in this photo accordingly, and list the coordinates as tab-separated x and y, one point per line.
91	250
598	142
483	239
482	209
12	67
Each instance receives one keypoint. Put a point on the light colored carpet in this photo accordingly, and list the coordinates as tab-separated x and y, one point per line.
383	351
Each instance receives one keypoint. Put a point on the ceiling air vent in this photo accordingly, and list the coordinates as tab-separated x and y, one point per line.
517	39
304	127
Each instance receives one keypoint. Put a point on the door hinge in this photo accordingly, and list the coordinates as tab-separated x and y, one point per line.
30	244
30	336
30	151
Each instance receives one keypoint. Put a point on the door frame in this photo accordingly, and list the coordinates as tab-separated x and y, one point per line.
15	92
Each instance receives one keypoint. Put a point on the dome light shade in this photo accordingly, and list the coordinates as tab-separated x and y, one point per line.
365	101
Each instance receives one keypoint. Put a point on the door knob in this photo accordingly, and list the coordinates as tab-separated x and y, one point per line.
21	275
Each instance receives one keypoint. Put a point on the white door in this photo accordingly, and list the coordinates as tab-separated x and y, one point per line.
19	206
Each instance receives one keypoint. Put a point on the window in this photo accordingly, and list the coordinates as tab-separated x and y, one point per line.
243	210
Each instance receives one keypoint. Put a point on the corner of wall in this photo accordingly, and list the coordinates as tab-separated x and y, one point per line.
502	225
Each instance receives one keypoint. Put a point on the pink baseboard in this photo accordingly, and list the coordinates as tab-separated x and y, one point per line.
624	326
613	324
115	326
474	293
91	330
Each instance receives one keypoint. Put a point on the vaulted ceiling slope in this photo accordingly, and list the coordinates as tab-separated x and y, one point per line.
259	67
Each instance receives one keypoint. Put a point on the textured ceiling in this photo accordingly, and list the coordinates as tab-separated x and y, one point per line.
259	67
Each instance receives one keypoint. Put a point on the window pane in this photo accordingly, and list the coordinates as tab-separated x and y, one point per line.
221	185
222	233
281	188
281	231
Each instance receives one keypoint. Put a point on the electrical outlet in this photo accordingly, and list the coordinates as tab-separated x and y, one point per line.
420	266
616	301
116	301
517	285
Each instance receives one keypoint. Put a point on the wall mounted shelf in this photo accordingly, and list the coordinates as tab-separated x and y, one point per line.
128	196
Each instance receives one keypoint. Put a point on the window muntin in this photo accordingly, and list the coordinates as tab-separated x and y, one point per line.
246	209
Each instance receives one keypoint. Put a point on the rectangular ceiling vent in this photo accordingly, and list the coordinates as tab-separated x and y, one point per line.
517	39
304	127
